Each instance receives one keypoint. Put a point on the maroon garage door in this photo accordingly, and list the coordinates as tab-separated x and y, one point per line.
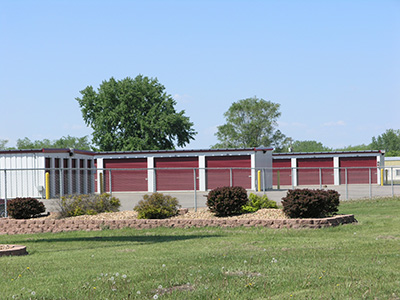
285	172
134	179
221	170
309	169
358	169
180	177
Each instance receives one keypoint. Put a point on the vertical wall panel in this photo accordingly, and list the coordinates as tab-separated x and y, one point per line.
179	176
285	172
357	170
308	171
134	178
221	170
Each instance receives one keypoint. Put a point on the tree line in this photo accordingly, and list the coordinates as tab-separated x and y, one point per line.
137	114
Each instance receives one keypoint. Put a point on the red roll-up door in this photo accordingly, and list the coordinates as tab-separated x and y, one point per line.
221	168
285	171
308	171
133	179
358	169
178	176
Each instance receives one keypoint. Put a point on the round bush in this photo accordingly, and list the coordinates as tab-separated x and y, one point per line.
157	206
227	201
91	204
258	202
306	203
25	208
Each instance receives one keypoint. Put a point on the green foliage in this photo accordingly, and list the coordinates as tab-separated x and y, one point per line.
157	206
25	208
3	144
81	143
258	202
76	205
361	147
227	201
306	203
308	146
250	122
134	114
388	141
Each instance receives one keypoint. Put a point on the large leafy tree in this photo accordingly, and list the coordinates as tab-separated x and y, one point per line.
388	141
251	122
81	143
134	114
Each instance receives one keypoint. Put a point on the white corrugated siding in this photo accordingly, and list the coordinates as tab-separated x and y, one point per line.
20	175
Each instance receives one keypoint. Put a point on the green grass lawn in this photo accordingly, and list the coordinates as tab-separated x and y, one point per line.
357	261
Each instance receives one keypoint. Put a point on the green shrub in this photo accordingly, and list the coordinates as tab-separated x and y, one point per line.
25	208
157	206
227	201
76	205
306	203
258	202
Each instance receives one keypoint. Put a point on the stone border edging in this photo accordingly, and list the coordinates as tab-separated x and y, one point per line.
14	250
13	226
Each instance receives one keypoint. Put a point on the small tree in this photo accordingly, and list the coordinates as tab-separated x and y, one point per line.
388	141
250	122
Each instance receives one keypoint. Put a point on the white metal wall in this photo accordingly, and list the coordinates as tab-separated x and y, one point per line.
17	177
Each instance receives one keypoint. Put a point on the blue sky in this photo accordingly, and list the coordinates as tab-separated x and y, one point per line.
333	66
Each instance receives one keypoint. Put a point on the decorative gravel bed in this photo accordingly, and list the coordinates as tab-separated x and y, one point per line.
201	214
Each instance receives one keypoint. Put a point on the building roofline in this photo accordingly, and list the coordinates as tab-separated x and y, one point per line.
328	153
47	150
185	151
86	152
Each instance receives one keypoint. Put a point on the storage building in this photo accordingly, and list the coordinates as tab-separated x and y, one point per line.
22	172
327	168
184	170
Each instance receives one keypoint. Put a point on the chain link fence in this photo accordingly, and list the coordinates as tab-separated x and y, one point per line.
191	184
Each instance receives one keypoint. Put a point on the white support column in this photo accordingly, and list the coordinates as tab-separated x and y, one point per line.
294	171
99	171
380	163
52	177
41	175
202	173
336	171
78	176
84	177
70	177
151	178
253	171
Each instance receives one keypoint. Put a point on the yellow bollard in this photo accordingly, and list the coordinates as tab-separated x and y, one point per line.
101	183
47	185
381	177
259	180
278	175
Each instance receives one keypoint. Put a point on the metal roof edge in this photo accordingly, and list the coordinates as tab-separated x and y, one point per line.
181	151
328	153
47	150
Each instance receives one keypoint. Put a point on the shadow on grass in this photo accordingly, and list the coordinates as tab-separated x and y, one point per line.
142	239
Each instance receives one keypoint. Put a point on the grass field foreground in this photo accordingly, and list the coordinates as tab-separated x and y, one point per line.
356	261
